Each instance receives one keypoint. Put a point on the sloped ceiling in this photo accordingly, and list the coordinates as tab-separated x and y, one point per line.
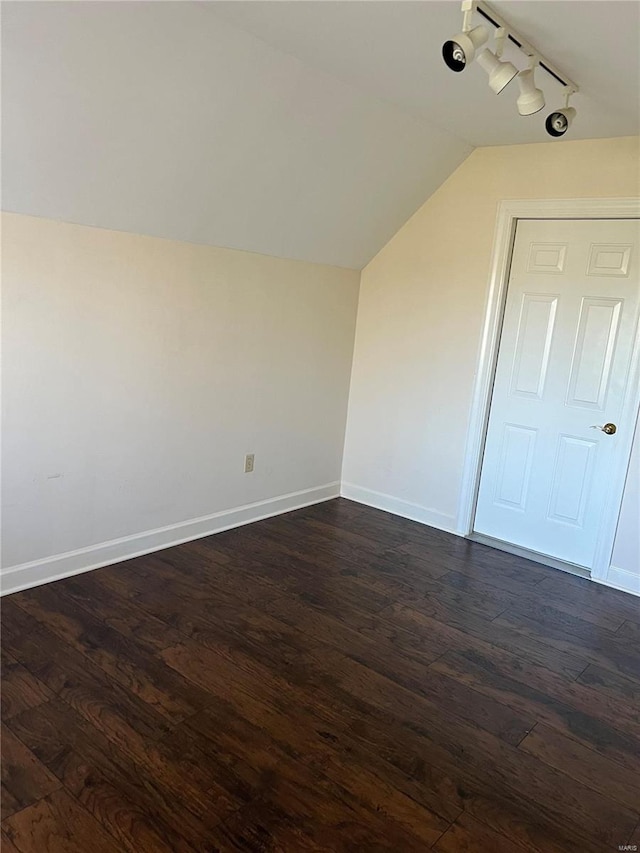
393	50
308	130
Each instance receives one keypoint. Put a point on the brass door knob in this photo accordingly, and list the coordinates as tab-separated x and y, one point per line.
610	429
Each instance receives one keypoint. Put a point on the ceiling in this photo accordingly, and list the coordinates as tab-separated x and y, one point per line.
392	49
308	130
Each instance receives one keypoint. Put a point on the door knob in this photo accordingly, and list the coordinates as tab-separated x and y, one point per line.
610	429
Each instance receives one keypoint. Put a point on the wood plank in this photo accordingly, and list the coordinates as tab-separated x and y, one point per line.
287	639
611	728
6	844
311	751
584	593
576	805
433	550
158	798
83	685
20	689
423	591
634	840
139	671
24	779
468	835
285	574
321	731
8	803
618	688
564	631
263	826
584	765
160	588
527	595
630	630
436	773
310	662
446	740
468	633
479	560
117	611
355	799
58	824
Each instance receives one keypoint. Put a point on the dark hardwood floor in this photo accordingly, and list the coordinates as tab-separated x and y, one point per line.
334	679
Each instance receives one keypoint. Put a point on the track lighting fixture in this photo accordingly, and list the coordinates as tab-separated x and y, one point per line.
461	50
559	121
500	73
530	100
557	124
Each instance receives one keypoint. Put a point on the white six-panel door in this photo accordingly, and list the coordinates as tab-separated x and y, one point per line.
570	322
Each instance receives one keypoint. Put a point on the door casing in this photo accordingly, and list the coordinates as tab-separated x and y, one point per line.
509	212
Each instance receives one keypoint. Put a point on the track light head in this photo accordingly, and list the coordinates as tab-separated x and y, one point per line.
500	73
530	100
459	51
558	122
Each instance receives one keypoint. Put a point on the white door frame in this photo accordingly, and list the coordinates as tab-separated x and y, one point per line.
509	212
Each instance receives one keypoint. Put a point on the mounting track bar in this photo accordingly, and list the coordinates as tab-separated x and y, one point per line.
497	20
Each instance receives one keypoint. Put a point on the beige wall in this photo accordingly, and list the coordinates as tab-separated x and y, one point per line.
139	371
420	316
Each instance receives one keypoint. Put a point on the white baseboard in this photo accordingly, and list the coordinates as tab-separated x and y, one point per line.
406	509
616	578
621	579
25	575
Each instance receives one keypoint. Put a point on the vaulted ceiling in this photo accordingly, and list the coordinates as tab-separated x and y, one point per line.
307	130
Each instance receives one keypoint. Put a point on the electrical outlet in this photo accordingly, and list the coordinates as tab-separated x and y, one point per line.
248	463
